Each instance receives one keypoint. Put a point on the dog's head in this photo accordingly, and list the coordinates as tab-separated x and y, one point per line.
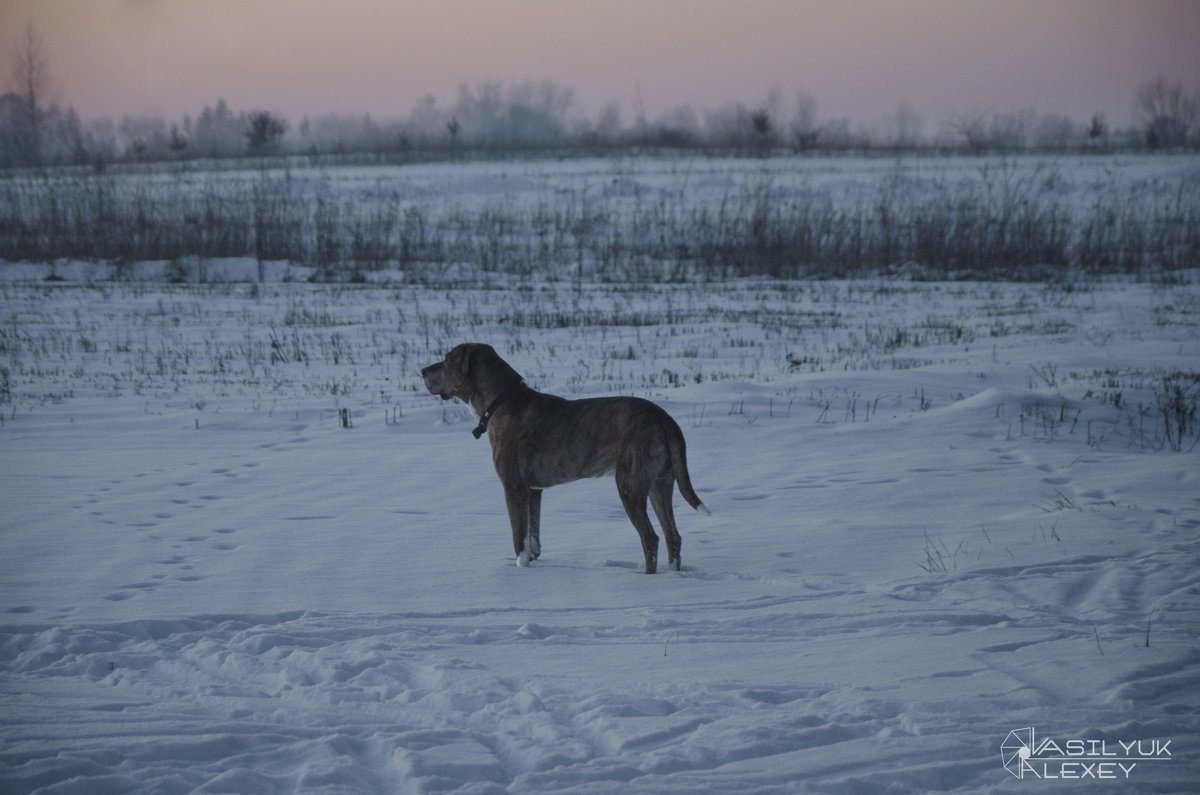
467	370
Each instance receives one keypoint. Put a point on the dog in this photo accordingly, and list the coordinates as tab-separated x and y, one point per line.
540	440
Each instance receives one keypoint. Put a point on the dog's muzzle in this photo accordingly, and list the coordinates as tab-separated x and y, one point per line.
434	377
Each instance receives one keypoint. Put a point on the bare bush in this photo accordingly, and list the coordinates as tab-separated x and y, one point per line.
1169	115
1178	401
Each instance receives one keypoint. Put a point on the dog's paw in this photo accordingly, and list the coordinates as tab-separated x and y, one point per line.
523	559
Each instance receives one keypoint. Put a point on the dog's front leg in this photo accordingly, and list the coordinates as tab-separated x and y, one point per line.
535	524
518	500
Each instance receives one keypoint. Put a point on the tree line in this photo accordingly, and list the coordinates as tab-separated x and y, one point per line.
544	116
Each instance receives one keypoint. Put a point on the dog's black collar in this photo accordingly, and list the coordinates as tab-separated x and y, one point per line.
481	428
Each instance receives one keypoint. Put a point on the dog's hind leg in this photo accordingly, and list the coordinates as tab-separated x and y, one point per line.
634	500
535	524
660	498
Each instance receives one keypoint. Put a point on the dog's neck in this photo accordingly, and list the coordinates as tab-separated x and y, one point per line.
486	415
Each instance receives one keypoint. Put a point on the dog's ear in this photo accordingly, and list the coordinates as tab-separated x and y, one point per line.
478	355
463	361
458	359
471	360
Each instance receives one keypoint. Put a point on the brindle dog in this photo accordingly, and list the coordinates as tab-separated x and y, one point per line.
541	440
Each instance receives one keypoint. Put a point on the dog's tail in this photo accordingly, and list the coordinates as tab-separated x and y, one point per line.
678	448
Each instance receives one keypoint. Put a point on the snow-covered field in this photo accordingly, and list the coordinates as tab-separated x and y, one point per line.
941	513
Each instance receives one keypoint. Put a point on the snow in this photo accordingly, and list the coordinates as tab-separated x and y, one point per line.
941	513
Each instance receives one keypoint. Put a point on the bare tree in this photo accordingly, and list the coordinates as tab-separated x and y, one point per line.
805	133
216	132
264	131
760	121
902	130
1054	132
1009	132
145	137
178	142
972	131
607	129
678	127
1097	131
526	114
30	76
1167	113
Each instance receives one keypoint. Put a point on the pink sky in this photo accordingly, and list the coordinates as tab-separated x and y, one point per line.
857	59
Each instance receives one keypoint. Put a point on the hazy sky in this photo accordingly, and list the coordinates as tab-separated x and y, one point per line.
856	58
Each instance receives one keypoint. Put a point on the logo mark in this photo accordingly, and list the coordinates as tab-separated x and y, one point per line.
1025	756
1016	750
